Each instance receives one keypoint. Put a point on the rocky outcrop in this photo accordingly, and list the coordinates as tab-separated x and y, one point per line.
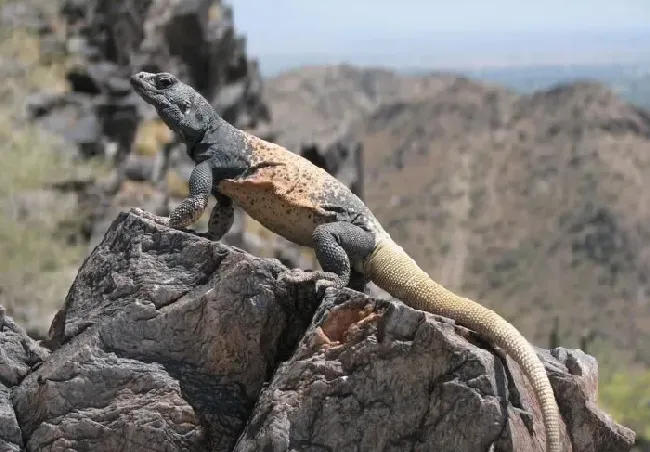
170	342
165	340
107	41
19	356
376	375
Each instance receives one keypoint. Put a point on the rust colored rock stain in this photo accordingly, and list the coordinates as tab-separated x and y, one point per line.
343	324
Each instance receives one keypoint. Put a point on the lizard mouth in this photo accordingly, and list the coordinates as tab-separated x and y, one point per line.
142	86
137	81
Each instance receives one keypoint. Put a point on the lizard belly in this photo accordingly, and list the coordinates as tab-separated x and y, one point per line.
280	212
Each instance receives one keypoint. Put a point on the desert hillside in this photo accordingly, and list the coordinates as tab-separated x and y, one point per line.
318	103
535	205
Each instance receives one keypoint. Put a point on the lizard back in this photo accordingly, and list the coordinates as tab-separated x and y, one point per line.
282	191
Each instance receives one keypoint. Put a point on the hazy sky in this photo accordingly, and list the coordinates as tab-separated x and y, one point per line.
407	31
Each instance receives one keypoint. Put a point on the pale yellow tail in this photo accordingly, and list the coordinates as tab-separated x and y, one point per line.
398	274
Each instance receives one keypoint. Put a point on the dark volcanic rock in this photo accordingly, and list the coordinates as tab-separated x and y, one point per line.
375	375
195	40
167	341
19	355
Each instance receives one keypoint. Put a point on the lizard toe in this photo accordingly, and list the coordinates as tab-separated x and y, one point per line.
150	216
322	285
320	278
291	276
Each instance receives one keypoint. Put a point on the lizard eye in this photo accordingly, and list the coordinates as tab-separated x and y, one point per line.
164	82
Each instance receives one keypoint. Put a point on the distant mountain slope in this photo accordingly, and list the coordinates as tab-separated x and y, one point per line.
536	205
630	80
318	103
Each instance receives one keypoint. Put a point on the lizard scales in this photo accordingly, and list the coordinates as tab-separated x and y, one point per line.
294	198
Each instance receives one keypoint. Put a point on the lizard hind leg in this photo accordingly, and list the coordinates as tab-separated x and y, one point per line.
335	245
358	281
222	217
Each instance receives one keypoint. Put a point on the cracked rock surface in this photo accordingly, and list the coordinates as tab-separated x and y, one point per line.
18	356
376	375
163	345
170	342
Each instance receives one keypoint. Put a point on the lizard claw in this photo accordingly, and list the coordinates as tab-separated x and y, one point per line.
289	275
294	276
323	284
300	276
322	280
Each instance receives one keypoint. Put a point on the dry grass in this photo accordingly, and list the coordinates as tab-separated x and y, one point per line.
38	265
150	137
177	186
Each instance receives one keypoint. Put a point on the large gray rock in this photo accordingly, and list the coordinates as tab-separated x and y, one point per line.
167	341
19	355
375	375
164	342
10	436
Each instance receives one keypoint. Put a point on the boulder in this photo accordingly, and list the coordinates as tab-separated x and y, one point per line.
170	342
19	355
376	375
165	340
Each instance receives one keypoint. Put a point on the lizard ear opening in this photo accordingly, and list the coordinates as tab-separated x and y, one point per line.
184	108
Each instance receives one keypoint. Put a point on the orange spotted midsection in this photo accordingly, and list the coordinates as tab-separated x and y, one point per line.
280	199
281	191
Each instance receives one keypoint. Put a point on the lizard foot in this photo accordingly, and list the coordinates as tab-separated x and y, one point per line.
322	279
150	216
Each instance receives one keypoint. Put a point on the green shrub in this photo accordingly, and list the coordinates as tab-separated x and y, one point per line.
626	397
623	388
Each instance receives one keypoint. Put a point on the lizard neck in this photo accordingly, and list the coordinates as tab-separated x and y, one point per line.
217	136
197	122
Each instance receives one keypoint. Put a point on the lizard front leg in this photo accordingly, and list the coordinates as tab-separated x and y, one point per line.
335	244
192	207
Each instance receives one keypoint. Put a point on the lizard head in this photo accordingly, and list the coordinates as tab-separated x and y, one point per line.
181	107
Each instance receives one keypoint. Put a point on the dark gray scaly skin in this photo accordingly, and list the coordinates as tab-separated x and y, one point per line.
292	197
